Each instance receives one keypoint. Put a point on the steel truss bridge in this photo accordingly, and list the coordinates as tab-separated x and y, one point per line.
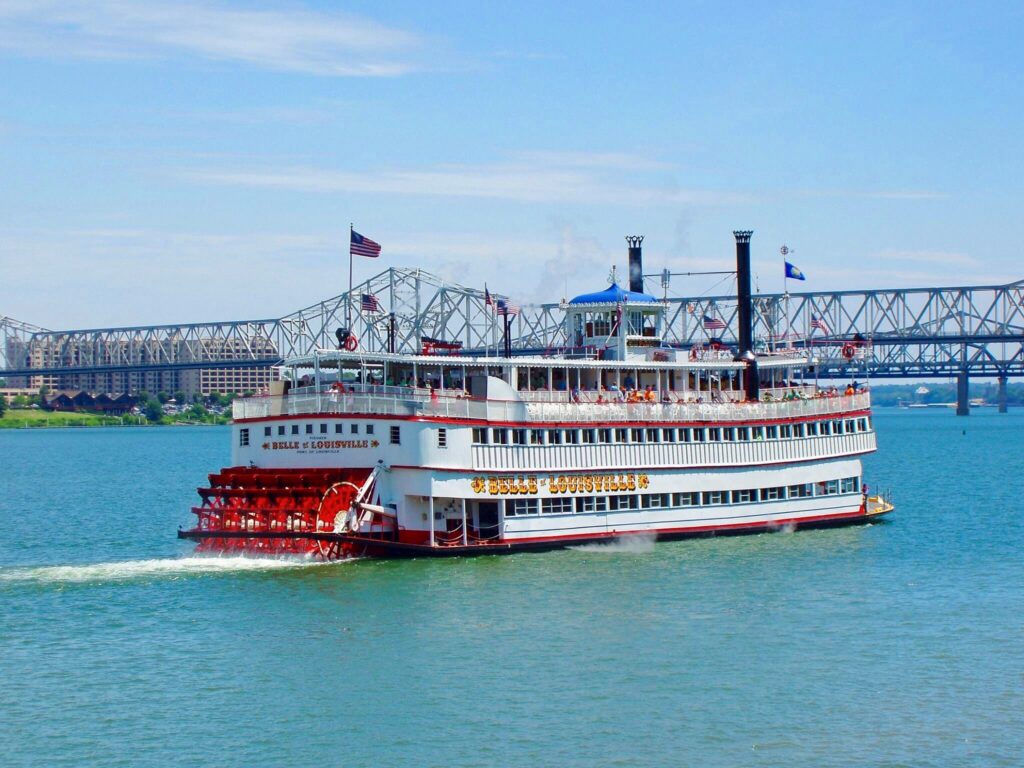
909	333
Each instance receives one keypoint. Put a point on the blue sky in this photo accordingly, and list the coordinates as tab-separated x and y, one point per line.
186	161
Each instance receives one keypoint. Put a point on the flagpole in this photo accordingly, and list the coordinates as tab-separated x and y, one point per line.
784	250
348	305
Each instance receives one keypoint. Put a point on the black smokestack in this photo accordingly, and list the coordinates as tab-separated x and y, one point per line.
636	263
745	315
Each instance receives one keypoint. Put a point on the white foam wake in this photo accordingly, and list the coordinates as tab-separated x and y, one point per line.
633	544
143	569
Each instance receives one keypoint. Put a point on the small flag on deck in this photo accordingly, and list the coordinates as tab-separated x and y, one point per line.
507	308
793	272
713	323
363	246
369	303
821	325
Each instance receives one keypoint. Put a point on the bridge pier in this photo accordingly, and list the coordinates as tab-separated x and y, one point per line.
963	405
1001	393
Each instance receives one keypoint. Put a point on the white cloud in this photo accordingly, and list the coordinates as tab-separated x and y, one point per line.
598	179
296	40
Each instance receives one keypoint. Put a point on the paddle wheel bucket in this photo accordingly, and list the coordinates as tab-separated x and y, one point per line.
283	512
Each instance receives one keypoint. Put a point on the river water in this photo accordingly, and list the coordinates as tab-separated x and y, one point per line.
899	643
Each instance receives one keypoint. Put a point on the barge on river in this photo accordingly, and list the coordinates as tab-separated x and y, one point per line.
390	455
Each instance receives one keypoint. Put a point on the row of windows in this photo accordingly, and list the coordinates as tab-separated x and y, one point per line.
620	435
584	504
339	428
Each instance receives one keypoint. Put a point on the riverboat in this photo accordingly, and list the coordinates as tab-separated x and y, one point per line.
358	453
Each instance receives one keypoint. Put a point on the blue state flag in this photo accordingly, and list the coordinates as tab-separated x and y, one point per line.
793	272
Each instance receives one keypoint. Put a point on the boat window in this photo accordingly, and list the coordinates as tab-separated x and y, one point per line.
369	429
339	428
772	494
849	485
604	435
243	437
554	437
636	435
480	435
801	491
653	435
714	434
396	435
863	425
266	431
518	437
280	430
537	437
557	506
713	497
572	437
442	437
757	433
295	429
743	433
354	428
668	435
744	496
728	434
699	435
851	426
684	435
785	431
519	507
655	500
690	499
837	427
621	435
309	429
812	428
622	502
588	436
500	436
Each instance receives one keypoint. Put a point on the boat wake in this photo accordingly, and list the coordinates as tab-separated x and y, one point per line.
129	570
632	544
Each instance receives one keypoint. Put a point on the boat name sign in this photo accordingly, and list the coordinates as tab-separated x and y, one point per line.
496	485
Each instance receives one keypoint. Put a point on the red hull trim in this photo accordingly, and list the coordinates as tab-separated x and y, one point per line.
389	549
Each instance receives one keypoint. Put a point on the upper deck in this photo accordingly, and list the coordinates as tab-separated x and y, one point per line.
707	388
552	407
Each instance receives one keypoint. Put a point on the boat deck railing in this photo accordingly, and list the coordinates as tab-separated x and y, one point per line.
420	404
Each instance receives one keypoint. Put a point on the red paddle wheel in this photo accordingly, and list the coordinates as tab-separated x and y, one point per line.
243	502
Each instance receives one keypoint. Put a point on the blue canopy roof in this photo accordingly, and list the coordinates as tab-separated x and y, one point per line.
612	295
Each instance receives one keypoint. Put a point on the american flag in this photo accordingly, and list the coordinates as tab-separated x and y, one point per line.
488	301
713	323
363	246
821	325
369	303
507	308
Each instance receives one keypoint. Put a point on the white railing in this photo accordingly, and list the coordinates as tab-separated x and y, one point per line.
417	404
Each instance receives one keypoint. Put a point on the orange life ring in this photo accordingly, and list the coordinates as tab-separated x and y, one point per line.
849	351
351	343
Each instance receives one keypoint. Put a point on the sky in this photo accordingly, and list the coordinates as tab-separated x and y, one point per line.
192	161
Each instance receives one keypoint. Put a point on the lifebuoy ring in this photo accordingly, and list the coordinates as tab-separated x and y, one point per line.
849	351
351	343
